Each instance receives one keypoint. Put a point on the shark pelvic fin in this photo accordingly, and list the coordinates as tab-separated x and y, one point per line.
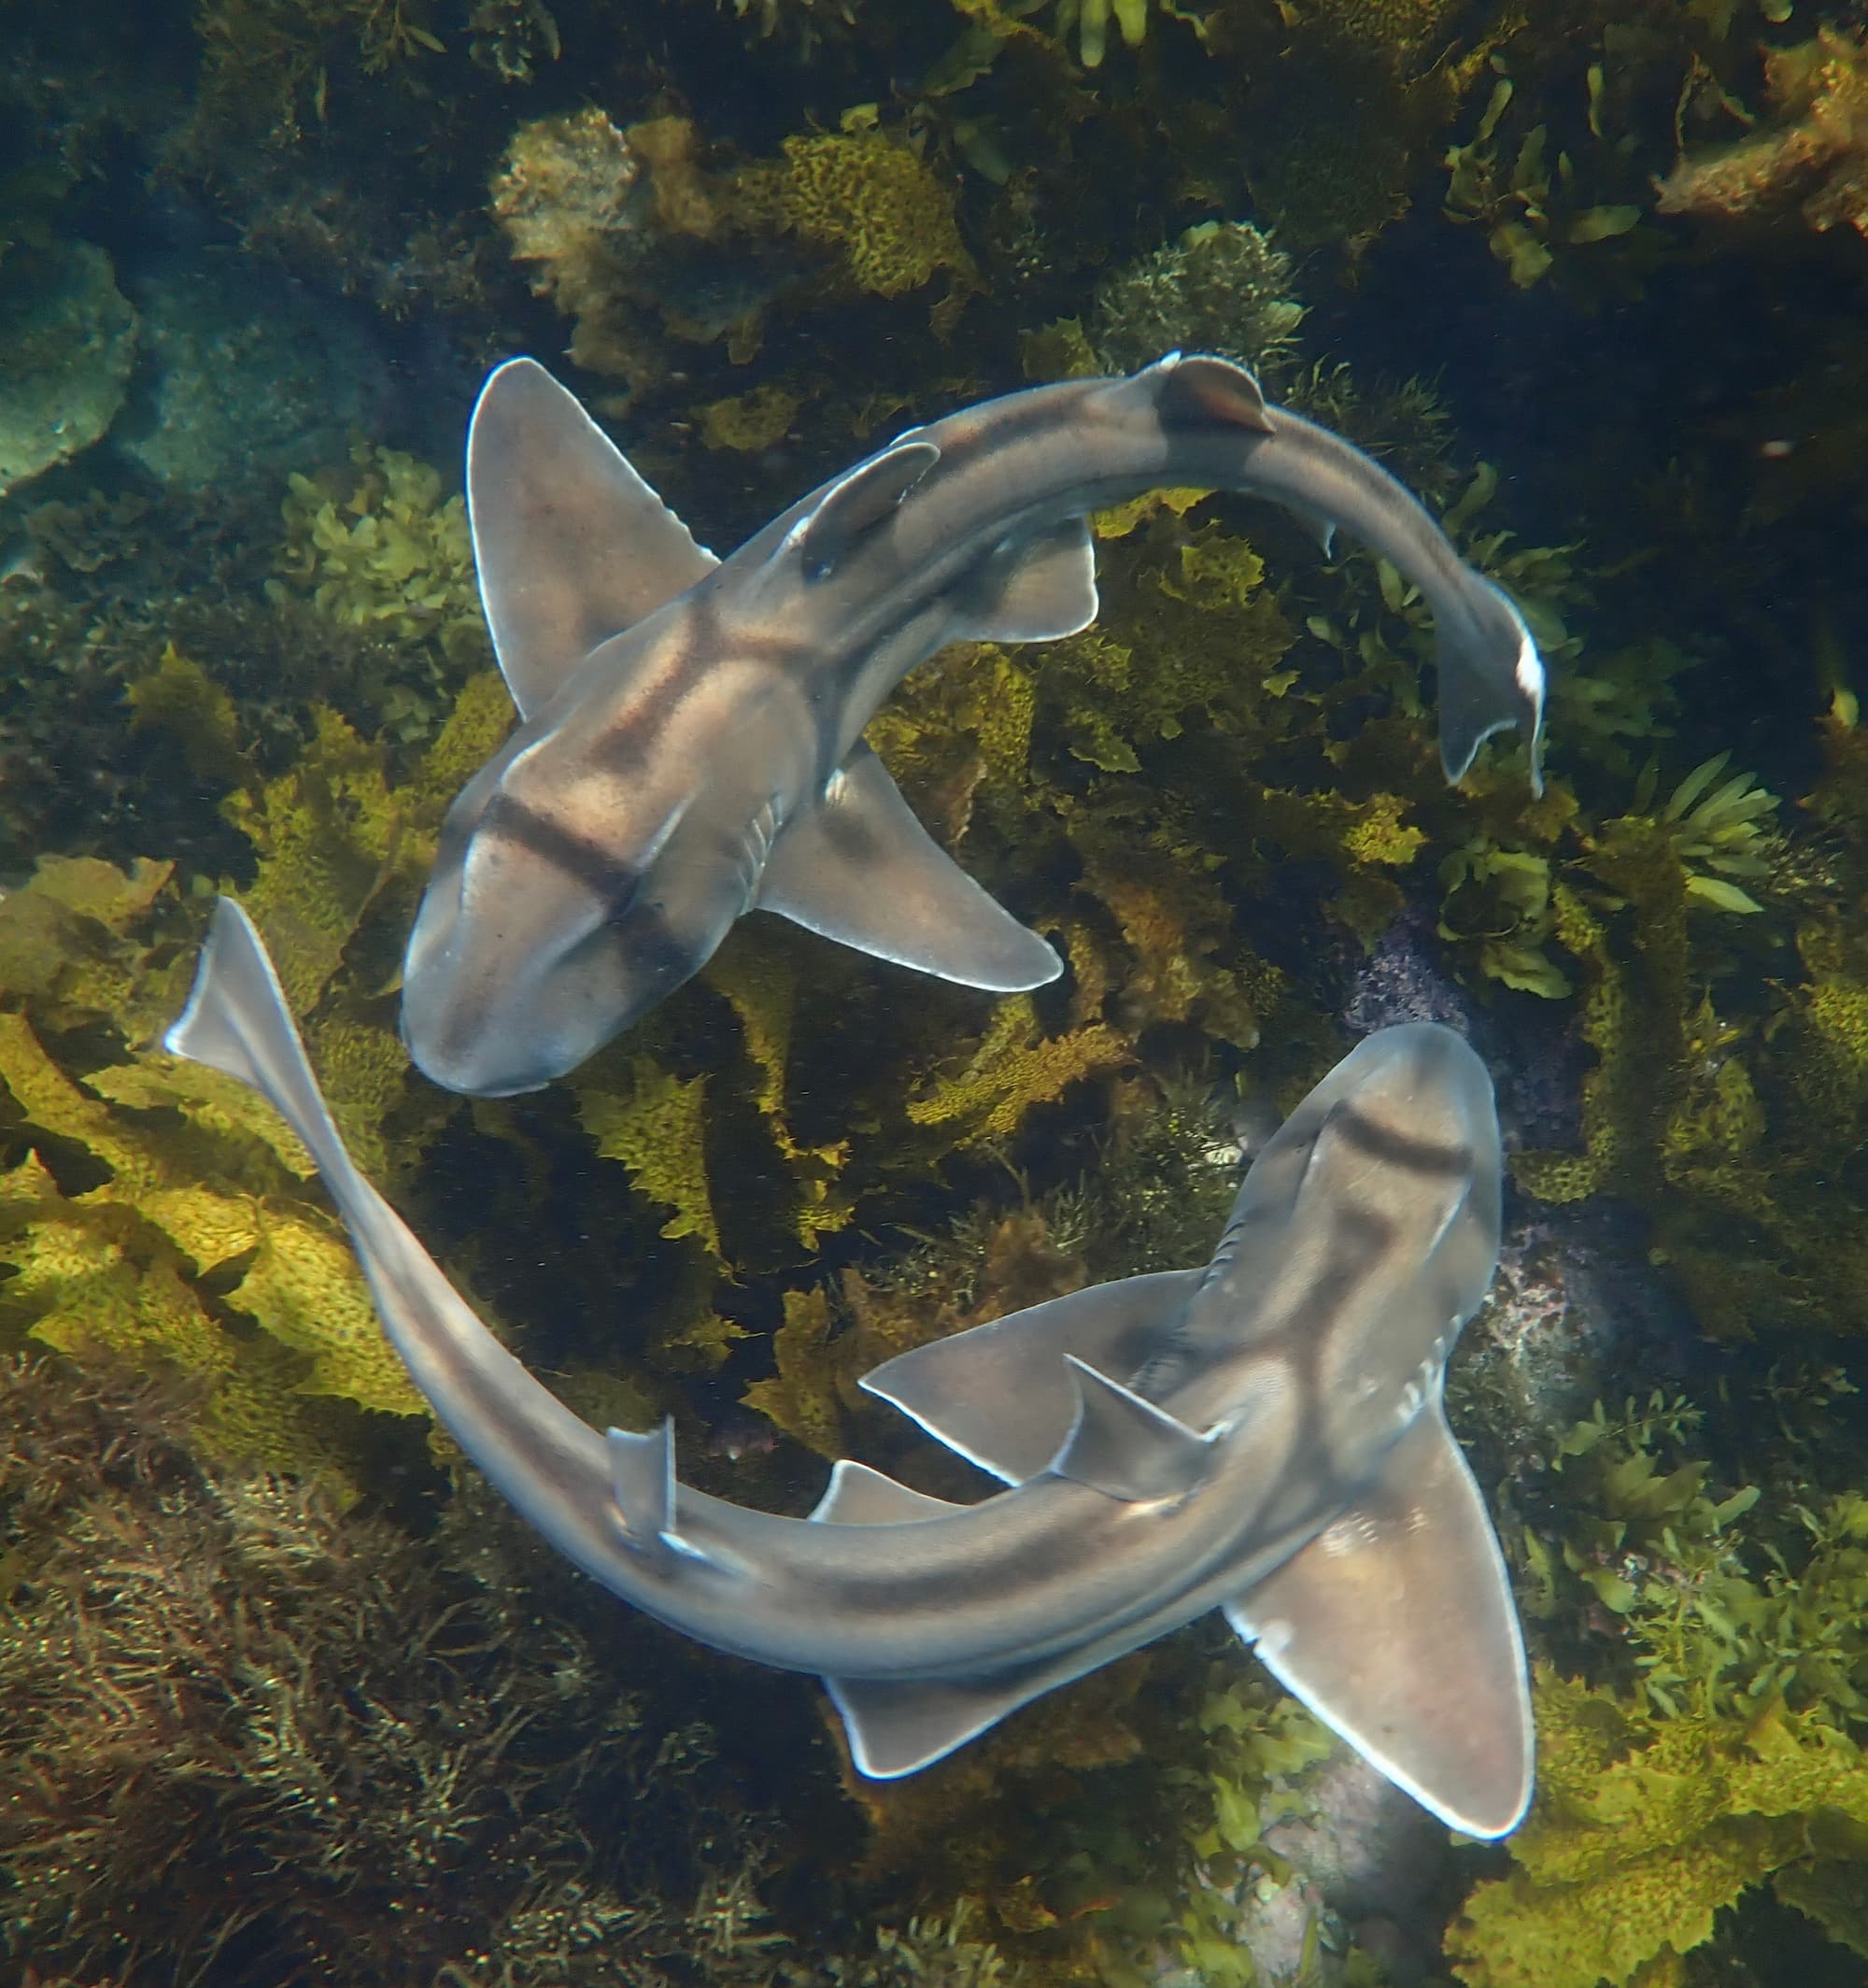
1127	1448
1002	1394
1044	590
571	545
899	1725
1396	1625
857	1496
858	867
642	1481
1199	390
862	501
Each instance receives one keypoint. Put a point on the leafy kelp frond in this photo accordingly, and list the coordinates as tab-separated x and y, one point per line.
655	1124
1498	902
1719	824
189	1195
1645	1826
1014	1066
159	1213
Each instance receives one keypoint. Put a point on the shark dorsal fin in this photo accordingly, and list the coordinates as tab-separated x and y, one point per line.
642	1481
1002	1394
1127	1448
1048	590
860	502
857	1496
858	867
1199	389
1396	1625
571	545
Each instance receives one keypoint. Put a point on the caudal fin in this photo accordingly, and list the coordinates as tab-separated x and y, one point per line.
1491	678
237	1021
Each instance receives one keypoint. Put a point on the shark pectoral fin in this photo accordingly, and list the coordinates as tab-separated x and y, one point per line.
863	500
861	868
1127	1448
899	1725
1002	1394
1198	389
571	545
642	1481
1397	1628
857	1496
1045	590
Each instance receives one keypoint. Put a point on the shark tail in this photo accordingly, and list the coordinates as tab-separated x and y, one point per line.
1491	678
237	1022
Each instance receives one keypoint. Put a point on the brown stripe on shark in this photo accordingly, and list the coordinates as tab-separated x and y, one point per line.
932	1628
1395	1149
590	863
753	680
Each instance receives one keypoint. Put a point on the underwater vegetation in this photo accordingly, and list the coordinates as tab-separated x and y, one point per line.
246	1731
1725	1751
773	235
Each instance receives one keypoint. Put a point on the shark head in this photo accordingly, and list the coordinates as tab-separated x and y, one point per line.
538	941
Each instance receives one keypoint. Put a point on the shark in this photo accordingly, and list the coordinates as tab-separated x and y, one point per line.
689	744
1263	1435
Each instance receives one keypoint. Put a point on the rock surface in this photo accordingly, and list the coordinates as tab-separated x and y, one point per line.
67	343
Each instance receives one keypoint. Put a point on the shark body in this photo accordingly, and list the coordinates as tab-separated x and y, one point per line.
691	737
1262	1435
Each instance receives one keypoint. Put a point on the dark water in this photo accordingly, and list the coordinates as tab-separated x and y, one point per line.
286	1693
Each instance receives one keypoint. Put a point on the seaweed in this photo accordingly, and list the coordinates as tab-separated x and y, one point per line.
1811	157
250	1735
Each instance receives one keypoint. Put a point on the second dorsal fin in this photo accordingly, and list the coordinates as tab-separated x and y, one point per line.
1197	388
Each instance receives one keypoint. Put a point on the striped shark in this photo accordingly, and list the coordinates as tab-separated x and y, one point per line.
690	739
1264	1435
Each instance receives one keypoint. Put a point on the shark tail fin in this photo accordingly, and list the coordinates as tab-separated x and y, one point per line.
1491	678
237	1022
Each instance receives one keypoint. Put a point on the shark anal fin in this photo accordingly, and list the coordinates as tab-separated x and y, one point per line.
860	502
1125	1447
642	1481
858	867
1197	388
1319	524
1041	591
1396	1627
857	1496
1002	1394
571	545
